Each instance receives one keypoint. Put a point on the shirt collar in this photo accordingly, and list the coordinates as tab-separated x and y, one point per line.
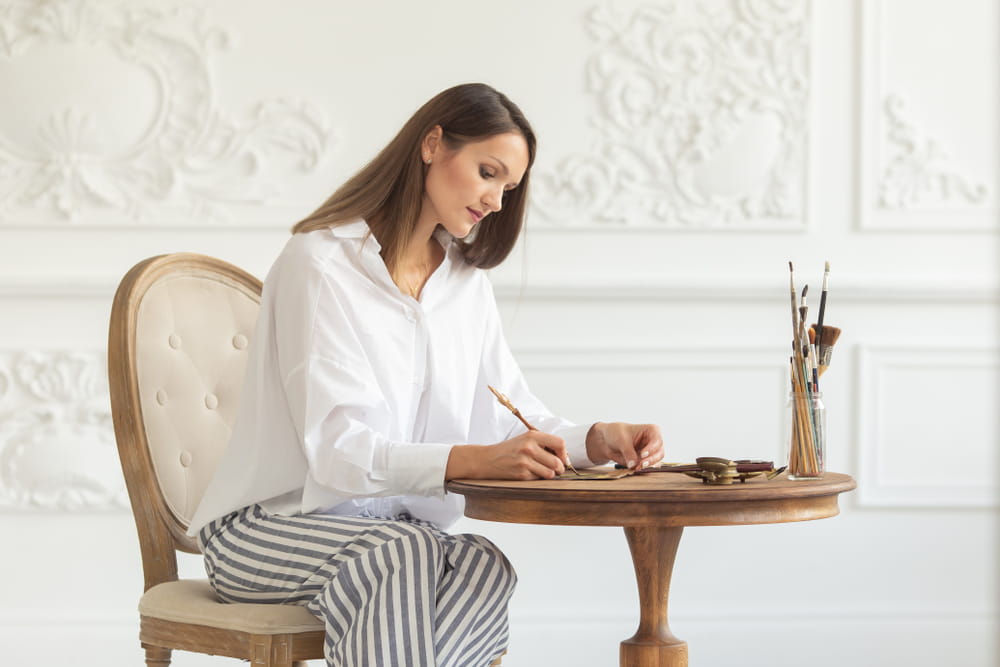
359	229
352	230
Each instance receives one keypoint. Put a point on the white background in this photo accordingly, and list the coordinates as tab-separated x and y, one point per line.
688	151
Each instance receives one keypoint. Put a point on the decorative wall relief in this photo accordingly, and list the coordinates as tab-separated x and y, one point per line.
57	446
927	123
701	119
117	118
918	171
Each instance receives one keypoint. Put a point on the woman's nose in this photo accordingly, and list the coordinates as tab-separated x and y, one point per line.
493	200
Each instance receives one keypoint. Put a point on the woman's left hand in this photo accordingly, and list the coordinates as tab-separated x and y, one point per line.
631	445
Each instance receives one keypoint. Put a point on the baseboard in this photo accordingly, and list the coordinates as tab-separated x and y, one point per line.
546	638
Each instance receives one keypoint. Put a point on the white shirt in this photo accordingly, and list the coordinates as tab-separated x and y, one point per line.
355	393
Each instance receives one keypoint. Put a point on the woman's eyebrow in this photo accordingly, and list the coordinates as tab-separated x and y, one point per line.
505	169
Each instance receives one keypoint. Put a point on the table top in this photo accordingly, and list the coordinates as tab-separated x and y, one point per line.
659	498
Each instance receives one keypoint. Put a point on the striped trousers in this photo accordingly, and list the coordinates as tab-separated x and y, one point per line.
391	592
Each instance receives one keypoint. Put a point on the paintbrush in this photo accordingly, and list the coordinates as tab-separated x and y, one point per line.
504	401
806	360
803	312
796	324
822	307
791	288
799	380
802	422
825	342
814	365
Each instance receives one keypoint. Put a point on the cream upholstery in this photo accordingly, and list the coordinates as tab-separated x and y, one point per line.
191	348
193	601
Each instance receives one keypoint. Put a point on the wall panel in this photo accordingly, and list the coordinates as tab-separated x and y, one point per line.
688	150
928	427
922	64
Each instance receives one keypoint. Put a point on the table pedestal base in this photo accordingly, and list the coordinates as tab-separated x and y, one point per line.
653	645
653	655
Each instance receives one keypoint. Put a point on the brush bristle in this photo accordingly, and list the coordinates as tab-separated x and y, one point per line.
826	267
812	335
829	336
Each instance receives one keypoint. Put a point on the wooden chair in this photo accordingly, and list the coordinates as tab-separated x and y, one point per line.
177	350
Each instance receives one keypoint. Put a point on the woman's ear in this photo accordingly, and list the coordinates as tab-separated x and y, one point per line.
431	144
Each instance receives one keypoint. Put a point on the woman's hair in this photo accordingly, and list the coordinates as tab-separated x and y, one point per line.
388	191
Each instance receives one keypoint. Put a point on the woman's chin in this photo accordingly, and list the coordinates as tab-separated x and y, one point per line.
462	232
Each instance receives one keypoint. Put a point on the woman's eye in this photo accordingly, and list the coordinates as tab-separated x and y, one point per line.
485	172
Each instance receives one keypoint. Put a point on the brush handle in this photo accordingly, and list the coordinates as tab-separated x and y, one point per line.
819	320
795	306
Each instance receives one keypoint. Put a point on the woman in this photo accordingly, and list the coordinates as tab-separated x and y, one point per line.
367	390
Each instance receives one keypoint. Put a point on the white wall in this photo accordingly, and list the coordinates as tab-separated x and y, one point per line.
689	150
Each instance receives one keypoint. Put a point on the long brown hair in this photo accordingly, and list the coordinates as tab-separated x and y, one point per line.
388	191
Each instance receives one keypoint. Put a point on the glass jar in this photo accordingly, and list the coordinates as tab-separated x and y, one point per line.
805	441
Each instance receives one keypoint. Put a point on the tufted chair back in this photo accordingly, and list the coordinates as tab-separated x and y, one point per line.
185	322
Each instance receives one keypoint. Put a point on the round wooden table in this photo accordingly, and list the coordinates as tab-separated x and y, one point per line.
653	508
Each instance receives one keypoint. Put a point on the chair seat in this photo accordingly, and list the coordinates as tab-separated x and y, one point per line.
193	601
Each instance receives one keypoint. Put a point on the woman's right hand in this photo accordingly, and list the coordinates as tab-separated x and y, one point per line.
531	455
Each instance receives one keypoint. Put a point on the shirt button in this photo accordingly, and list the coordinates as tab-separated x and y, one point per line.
174	341
411	316
211	402
186	458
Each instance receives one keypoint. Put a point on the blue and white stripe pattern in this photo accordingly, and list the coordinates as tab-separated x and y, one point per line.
390	591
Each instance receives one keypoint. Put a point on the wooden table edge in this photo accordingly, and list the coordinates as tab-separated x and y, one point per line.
603	504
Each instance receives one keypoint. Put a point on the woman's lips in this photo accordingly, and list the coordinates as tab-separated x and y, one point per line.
476	215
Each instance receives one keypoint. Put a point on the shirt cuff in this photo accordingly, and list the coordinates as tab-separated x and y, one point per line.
575	438
418	468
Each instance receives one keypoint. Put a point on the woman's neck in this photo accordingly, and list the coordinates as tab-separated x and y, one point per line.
422	255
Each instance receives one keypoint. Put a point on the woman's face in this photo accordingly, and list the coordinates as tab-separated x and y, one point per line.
464	186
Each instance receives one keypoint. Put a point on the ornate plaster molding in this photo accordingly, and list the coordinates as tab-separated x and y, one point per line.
193	161
919	172
701	119
57	447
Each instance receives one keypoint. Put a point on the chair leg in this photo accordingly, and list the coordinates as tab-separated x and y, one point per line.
496	663
157	657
